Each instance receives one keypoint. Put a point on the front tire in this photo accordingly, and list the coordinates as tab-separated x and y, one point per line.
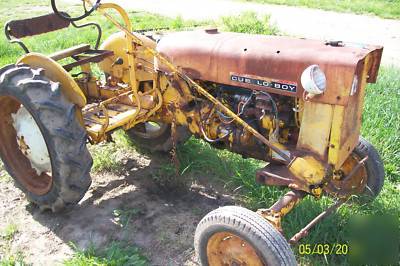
367	182
374	167
237	236
42	101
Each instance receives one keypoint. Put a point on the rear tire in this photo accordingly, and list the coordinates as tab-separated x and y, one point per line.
254	240
159	140
64	136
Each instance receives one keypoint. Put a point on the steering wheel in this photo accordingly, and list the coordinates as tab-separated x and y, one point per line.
65	16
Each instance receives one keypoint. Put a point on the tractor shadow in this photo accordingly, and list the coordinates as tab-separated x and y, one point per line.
135	207
138	206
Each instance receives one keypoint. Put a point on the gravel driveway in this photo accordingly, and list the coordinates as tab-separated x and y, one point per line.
296	21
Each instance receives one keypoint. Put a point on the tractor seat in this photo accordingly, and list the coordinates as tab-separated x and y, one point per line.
82	54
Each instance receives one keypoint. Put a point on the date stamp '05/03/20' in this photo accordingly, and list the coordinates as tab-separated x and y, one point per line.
324	249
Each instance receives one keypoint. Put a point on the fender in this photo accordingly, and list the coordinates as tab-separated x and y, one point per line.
56	72
117	43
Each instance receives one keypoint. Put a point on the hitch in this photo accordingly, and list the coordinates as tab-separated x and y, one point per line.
282	207
286	204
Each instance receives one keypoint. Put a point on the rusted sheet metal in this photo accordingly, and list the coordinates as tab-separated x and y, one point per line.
315	128
279	175
35	26
376	58
17	163
346	123
270	63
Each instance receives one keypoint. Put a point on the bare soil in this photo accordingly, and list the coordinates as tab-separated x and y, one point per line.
130	206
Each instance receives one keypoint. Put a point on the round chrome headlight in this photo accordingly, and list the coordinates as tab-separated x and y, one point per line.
313	80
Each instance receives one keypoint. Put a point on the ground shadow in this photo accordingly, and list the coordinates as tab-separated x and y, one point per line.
133	207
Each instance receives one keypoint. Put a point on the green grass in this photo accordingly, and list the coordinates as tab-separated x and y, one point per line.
12	260
122	217
115	254
9	232
381	124
382	8
8	258
381	121
248	22
4	176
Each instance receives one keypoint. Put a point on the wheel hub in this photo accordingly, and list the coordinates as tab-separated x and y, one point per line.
30	141
150	129
340	187
226	249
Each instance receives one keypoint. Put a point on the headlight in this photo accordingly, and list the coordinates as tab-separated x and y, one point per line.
313	80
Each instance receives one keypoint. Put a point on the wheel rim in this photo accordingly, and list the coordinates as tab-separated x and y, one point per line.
353	186
23	148
225	249
150	130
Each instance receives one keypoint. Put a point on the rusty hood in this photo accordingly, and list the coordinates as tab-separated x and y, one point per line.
253	60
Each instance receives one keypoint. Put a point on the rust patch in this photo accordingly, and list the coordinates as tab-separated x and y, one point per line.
282	207
215	56
279	175
354	184
17	164
225	248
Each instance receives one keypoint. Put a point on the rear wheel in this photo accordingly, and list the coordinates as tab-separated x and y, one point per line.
42	143
237	236
156	136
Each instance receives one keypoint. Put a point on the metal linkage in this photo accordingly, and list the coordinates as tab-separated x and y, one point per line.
305	231
131	37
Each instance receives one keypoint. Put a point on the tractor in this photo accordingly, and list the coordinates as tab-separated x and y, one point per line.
294	103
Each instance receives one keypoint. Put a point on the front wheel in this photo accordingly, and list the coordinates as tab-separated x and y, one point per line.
367	182
237	236
42	143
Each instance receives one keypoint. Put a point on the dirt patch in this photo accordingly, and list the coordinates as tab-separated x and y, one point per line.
129	206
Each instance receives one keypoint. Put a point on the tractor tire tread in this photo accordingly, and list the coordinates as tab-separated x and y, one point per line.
374	166
64	135
254	228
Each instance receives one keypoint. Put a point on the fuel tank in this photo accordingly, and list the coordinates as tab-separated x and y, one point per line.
270	63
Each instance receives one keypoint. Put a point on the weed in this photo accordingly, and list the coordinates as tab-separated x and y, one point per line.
124	216
9	232
168	181
248	22
4	176
108	156
105	157
8	258
114	255
12	260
